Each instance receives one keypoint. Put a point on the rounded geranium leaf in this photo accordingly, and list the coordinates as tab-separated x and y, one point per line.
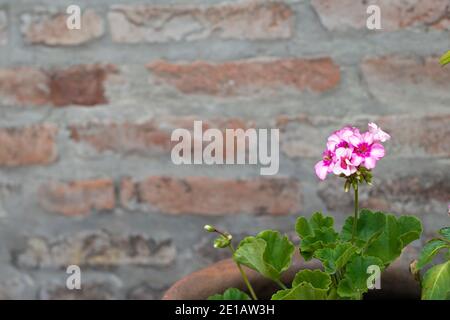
388	246
369	226
410	229
304	291
269	253
354	283
318	279
317	221
336	258
279	250
322	238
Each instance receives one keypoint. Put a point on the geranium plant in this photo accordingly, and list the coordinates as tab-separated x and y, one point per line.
367	240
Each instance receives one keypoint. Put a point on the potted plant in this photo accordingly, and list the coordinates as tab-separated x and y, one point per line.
327	264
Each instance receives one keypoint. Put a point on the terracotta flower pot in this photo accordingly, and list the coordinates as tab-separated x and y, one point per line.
396	282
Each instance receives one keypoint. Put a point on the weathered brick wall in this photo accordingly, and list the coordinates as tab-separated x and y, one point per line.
86	117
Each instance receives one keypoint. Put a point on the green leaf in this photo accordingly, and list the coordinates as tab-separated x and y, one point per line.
436	282
230	294
250	253
354	283
370	226
332	294
303	228
334	259
410	229
317	221
445	232
445	59
388	246
322	238
316	233
304	291
318	279
269	253
430	249
279	250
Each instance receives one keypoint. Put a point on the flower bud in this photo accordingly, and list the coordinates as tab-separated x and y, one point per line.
414	271
347	186
221	242
209	228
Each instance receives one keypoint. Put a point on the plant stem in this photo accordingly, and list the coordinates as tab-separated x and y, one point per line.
244	276
355	220
281	284
334	279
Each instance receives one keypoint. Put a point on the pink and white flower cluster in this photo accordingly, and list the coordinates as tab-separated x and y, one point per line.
348	149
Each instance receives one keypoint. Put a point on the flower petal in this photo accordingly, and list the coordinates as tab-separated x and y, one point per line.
355	140
372	127
370	163
332	142
321	170
368	137
341	152
337	170
378	134
356	160
377	151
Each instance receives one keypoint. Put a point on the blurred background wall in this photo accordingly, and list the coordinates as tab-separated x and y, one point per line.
86	116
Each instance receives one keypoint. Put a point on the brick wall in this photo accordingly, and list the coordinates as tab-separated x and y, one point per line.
86	117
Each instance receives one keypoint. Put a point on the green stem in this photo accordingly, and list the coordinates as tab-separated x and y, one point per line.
334	280
339	274
244	276
281	284
355	220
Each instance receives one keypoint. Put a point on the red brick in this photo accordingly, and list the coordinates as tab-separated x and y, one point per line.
422	193
77	85
32	145
50	29
123	137
422	80
128	191
304	136
240	77
151	136
412	192
24	86
80	85
415	136
215	196
96	249
163	23
395	14
78	198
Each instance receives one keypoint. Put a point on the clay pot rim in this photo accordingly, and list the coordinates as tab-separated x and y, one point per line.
397	283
